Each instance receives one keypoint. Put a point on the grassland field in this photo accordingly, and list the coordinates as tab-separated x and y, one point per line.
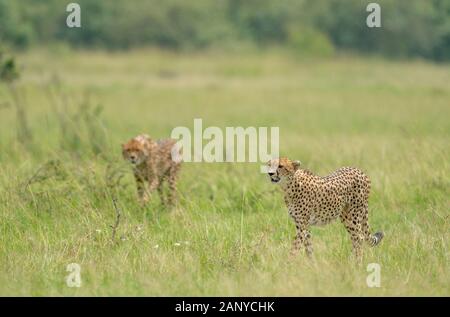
230	233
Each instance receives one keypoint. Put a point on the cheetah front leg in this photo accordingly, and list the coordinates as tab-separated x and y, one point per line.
153	179
303	236
142	193
153	183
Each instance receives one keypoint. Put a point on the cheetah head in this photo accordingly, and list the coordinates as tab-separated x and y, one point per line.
281	168
136	150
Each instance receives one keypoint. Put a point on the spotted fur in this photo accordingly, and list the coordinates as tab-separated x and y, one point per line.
314	200
152	163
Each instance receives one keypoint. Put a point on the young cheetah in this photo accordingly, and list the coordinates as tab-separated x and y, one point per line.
313	200
152	162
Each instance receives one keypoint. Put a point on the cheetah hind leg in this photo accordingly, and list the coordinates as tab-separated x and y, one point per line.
357	240
161	194
354	229
172	180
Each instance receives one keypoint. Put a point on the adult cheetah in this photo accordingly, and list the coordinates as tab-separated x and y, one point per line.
314	200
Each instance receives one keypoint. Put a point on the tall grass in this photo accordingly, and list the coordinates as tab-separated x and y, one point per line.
230	234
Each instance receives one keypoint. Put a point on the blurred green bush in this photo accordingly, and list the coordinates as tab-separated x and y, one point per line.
310	42
413	28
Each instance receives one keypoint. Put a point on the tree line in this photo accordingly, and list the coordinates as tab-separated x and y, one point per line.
409	28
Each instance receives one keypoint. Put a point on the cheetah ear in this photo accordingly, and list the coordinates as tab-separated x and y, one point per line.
296	164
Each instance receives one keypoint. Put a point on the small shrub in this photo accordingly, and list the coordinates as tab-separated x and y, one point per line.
307	41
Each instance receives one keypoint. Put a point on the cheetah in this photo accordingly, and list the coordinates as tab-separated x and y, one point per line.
152	163
314	200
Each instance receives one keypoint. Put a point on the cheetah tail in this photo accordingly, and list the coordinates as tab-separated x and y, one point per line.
376	238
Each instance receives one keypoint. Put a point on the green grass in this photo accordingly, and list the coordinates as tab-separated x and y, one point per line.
390	119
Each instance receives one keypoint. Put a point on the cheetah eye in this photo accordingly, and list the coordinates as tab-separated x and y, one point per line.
280	166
